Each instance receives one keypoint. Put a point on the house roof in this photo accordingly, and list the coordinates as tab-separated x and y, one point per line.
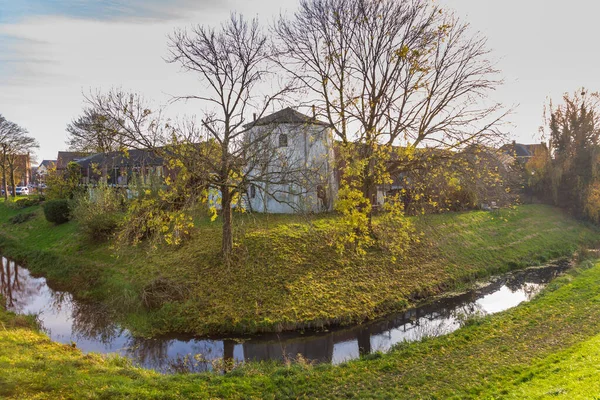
286	116
48	163
65	157
522	150
119	158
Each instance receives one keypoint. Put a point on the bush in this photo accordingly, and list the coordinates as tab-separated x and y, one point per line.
64	184
18	204
57	211
21	218
98	213
27	202
161	291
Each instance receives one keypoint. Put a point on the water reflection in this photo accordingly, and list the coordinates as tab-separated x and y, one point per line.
92	328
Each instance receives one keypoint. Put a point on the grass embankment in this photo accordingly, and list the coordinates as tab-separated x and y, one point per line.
546	348
285	275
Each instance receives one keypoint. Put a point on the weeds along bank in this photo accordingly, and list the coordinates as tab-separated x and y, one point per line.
284	274
557	330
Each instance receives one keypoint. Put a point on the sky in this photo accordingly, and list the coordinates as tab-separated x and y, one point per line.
54	51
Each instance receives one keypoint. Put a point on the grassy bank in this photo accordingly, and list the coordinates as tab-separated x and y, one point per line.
549	347
285	275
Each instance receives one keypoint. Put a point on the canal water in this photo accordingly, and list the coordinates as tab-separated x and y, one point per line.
90	327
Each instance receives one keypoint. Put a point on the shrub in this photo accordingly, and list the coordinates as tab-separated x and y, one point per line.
64	184
27	202
162	290
18	204
21	218
57	211
98	212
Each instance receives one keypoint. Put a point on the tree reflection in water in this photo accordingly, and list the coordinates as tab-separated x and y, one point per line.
92	321
15	288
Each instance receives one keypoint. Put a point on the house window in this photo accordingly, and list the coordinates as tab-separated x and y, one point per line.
283	140
252	191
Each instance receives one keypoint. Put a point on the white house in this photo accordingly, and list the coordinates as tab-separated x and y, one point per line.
290	161
44	167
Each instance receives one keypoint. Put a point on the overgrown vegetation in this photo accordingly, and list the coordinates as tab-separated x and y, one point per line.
21	218
64	184
556	356
24	202
98	212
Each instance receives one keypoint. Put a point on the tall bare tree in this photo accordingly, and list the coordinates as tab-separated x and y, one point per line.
231	62
15	145
129	119
93	132
387	72
5	134
18	155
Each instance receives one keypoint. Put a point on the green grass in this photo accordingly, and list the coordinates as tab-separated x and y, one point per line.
285	275
573	373
542	349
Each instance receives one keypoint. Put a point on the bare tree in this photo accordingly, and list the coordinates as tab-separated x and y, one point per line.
93	132
390	72
130	119
18	155
15	144
222	151
231	62
5	135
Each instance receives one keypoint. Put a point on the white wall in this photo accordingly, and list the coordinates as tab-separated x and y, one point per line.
306	163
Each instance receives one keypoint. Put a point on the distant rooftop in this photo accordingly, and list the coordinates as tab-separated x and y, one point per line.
48	163
132	157
65	157
522	150
287	116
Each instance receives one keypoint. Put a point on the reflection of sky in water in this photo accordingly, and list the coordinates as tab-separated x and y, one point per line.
502	300
66	321
345	351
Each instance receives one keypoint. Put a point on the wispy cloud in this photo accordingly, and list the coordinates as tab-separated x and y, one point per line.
22	59
53	50
106	10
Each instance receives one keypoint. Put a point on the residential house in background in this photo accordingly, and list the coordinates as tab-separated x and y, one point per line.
118	168
523	152
23	170
291	162
42	170
65	157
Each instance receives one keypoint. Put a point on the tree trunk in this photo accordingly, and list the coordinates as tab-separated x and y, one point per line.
369	188
12	180
4	176
364	342
227	243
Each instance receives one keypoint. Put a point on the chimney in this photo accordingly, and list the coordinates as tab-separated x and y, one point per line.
314	110
254	116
